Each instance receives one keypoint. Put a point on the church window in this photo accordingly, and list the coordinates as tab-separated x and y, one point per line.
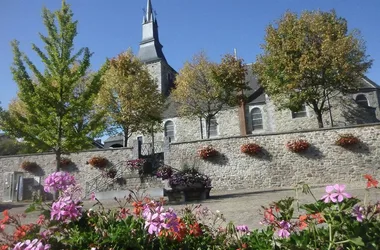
301	113
257	119
169	130
362	100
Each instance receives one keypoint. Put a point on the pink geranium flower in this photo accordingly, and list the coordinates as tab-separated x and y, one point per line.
330	195
284	229
340	194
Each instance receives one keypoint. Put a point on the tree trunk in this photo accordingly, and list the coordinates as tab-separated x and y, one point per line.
200	122
125	141
208	126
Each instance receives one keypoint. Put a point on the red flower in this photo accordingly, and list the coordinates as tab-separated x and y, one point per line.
195	229
371	182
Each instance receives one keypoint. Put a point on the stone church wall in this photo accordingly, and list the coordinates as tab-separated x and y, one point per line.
323	163
82	171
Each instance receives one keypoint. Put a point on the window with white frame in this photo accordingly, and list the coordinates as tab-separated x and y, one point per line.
301	113
213	127
169	130
257	119
362	100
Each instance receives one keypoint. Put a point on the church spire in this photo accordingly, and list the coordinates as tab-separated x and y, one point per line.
150	46
149	12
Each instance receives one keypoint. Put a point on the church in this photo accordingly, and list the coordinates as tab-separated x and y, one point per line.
258	115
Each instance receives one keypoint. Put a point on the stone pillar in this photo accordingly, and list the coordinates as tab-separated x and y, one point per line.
242	121
135	150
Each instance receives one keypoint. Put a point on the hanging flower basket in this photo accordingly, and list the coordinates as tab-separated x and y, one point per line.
64	162
111	173
29	166
297	146
98	162
346	140
250	148
207	152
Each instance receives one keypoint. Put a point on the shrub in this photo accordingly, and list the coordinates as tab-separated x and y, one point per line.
346	140
297	146
207	152
250	148
98	162
29	166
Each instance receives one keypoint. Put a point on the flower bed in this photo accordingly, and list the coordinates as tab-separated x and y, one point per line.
346	140
297	146
334	221
207	152
250	148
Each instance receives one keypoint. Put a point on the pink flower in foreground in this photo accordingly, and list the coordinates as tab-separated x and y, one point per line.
242	228
284	229
330	195
65	209
31	245
340	192
58	181
335	193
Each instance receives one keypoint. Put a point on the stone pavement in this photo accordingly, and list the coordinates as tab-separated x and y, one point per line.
239	206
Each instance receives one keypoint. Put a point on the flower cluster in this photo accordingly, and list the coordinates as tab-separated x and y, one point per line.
250	148
64	162
29	166
207	152
31	245
137	164
156	219
297	146
98	162
335	193
303	220
189	177
65	209
346	140
371	182
111	173
58	181
164	172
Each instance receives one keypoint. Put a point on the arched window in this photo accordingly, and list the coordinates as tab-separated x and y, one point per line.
362	100
301	113
257	119
169	130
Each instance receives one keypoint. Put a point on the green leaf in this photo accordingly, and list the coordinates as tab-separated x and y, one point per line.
357	241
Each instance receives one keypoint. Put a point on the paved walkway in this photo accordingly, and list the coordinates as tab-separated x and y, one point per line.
239	206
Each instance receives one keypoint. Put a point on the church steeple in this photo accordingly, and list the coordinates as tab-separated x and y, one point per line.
150	46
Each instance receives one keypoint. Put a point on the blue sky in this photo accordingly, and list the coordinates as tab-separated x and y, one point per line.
185	28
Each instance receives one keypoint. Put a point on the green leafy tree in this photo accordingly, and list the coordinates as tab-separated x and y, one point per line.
54	107
310	59
204	88
129	97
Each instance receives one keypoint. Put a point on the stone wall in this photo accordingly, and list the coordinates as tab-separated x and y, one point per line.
82	171
323	163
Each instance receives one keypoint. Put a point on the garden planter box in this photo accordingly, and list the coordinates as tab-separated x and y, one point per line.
187	194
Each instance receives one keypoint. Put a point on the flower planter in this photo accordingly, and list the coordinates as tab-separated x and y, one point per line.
188	194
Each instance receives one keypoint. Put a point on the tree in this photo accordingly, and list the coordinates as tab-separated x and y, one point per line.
310	59
49	111
129	97
204	88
